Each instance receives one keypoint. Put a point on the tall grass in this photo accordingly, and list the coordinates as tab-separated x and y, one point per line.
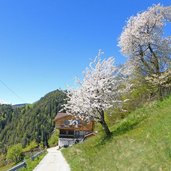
6	167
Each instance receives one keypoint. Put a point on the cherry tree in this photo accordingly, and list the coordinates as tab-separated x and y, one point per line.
143	41
100	89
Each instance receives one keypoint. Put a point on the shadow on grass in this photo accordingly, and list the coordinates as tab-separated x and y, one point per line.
123	128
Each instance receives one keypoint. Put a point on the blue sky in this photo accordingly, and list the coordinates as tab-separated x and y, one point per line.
45	44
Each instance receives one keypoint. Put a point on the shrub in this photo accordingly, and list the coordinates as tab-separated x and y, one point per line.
15	153
54	138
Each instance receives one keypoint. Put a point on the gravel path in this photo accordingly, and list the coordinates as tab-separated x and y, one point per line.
53	161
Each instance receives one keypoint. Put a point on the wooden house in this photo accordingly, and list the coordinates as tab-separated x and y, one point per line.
71	129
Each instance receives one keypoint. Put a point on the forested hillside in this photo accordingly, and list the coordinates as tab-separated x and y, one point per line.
31	122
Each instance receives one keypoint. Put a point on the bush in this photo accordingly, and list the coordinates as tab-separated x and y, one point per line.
15	153
30	147
54	138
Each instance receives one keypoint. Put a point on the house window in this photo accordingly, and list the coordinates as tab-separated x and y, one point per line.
66	122
70	132
63	132
77	133
79	122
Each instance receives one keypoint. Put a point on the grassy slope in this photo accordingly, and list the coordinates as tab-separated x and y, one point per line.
142	141
7	167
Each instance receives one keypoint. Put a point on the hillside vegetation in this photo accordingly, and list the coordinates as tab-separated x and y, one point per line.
141	141
32	122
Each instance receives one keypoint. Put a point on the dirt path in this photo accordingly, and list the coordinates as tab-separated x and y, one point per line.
53	161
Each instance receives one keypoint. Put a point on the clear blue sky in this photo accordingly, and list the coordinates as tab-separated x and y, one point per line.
44	44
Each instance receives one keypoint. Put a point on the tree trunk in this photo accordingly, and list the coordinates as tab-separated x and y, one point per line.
104	124
159	87
160	94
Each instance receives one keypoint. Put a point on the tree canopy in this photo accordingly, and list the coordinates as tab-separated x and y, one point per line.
143	40
100	89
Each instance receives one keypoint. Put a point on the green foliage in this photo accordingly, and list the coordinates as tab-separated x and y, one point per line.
141	93
29	123
15	153
7	167
31	146
2	160
141	141
53	140
32	164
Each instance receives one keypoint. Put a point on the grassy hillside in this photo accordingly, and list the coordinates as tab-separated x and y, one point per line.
142	141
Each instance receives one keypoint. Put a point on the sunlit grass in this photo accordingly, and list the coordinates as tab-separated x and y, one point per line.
142	141
32	164
7	167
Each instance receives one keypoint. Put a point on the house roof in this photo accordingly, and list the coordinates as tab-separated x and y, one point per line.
61	115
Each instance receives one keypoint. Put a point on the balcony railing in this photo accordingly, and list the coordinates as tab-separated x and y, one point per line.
70	136
66	136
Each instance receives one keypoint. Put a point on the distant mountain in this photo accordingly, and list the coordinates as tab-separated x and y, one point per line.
23	123
20	105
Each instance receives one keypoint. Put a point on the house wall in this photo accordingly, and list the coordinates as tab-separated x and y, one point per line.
67	122
66	142
66	125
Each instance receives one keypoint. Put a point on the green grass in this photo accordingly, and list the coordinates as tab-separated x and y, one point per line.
7	167
140	142
32	164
